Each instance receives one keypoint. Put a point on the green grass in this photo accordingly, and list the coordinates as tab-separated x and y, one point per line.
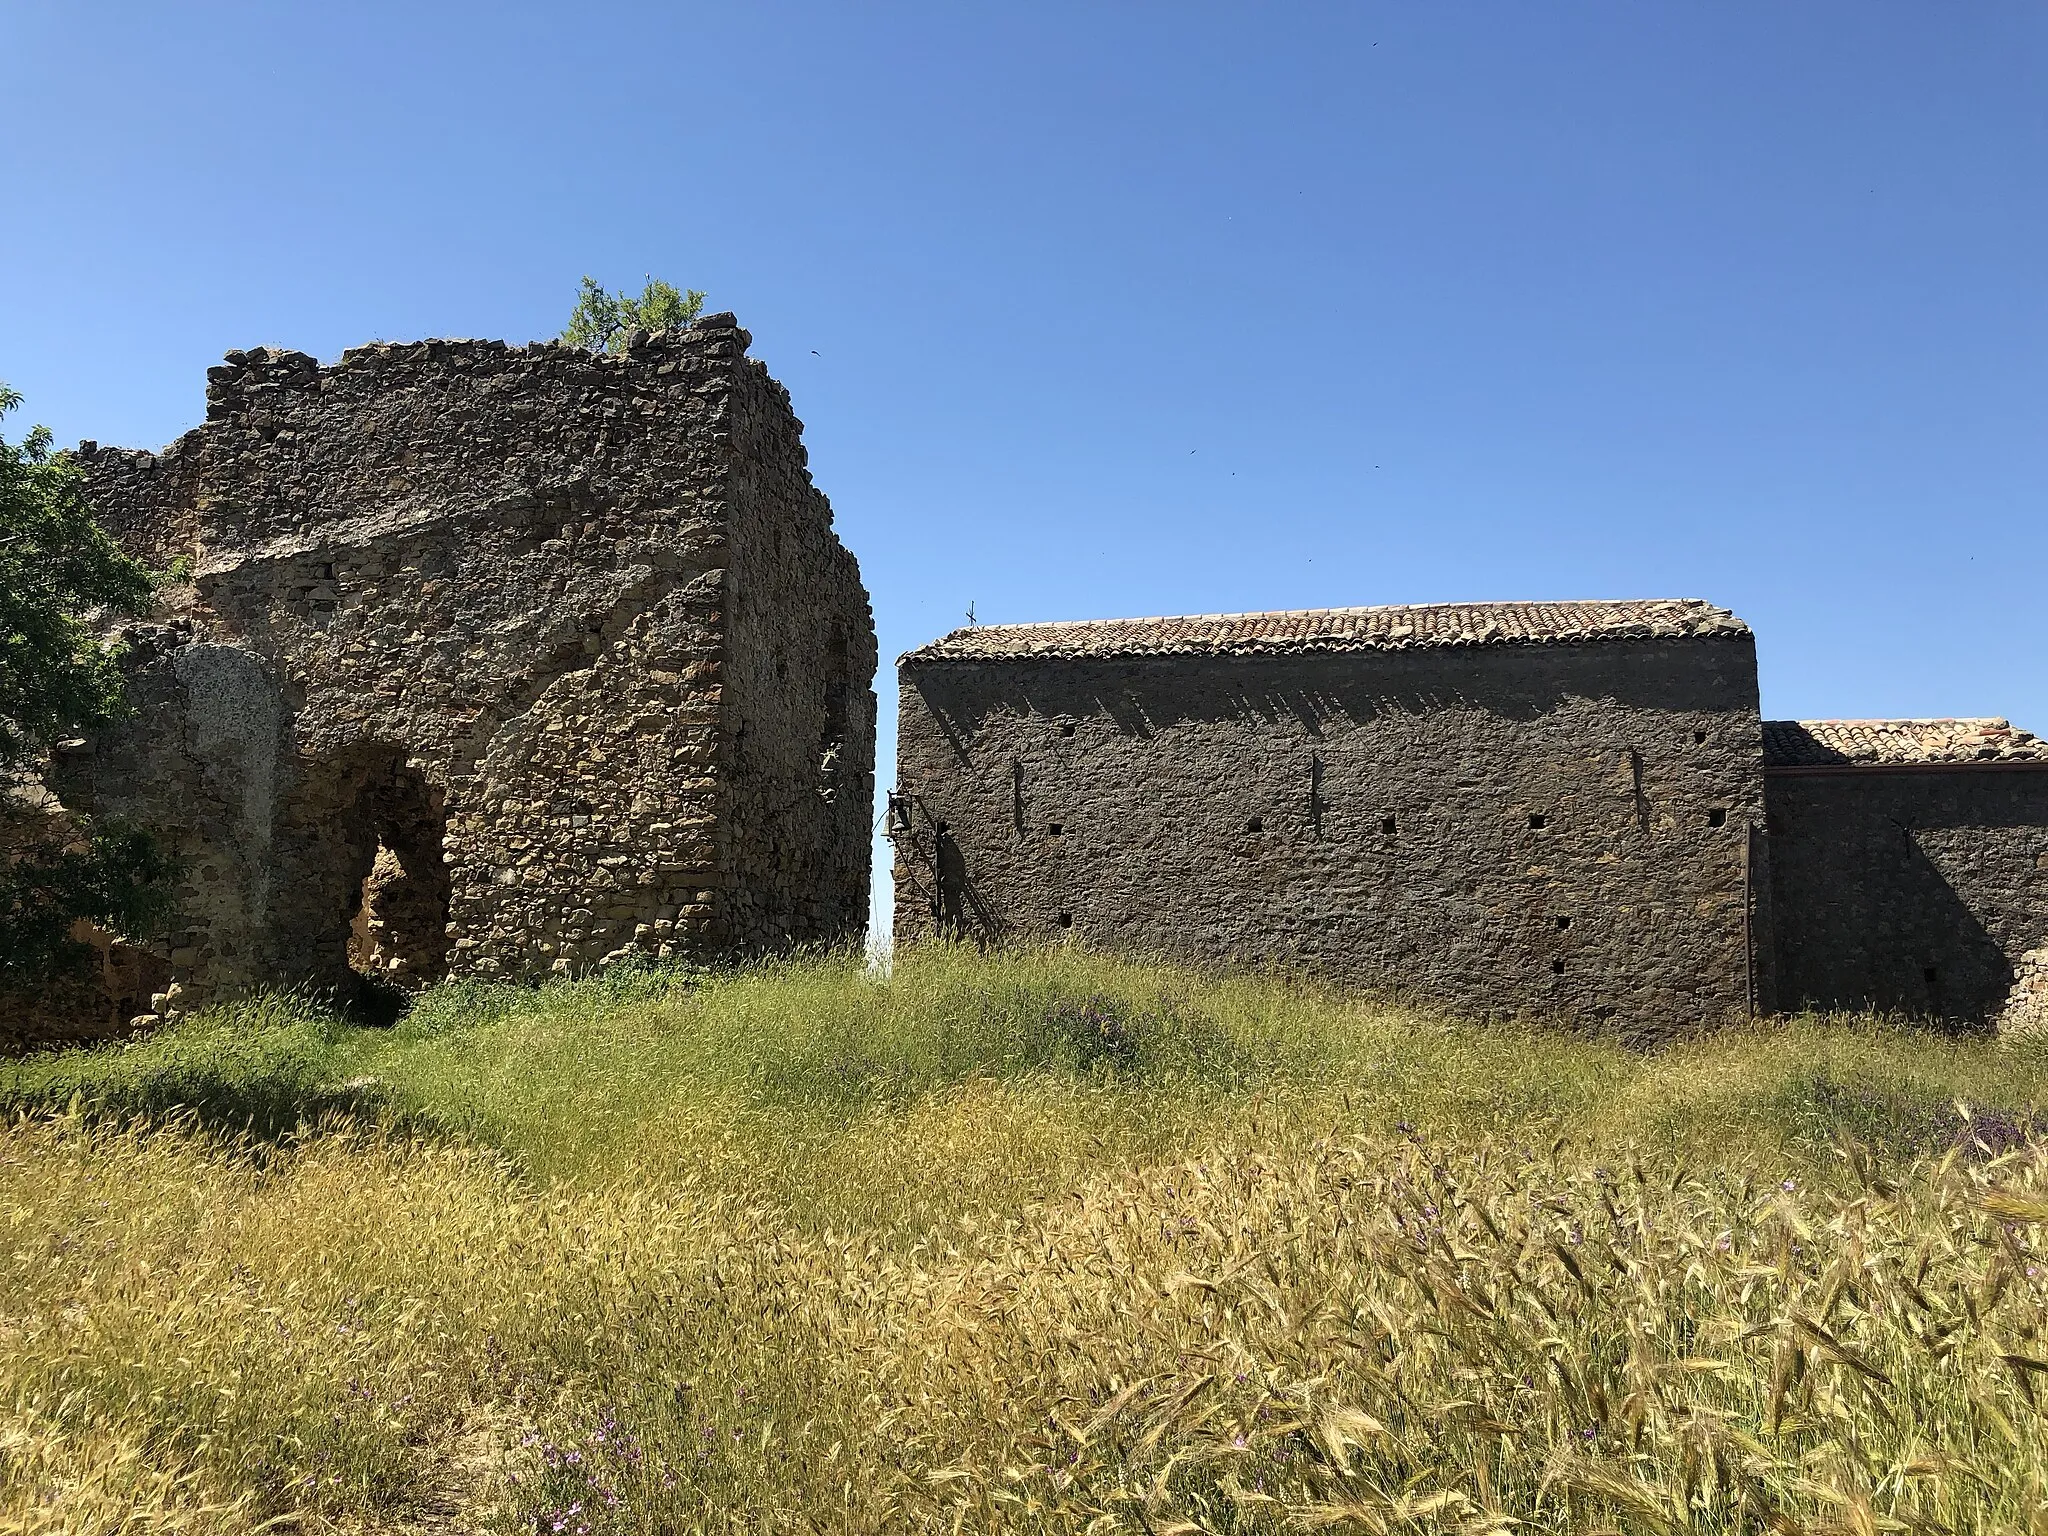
1010	1243
1115	1059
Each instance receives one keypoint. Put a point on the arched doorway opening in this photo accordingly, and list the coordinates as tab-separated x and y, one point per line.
398	886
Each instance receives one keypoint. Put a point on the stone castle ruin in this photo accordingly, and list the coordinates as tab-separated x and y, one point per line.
491	662
1563	810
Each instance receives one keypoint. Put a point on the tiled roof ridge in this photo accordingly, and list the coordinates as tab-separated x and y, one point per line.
1958	740
1395	626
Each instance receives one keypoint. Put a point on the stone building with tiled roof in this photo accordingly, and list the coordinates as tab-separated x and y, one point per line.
1525	808
1909	865
1567	809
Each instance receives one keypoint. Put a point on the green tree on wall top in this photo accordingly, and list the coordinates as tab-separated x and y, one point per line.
57	566
602	321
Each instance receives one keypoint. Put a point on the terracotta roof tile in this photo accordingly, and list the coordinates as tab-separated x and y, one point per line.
1825	743
1339	629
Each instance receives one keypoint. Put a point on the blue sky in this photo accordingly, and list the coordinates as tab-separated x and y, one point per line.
1145	308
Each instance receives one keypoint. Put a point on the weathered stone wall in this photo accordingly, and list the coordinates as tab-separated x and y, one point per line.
1558	830
1911	890
799	718
149	502
2026	1005
475	605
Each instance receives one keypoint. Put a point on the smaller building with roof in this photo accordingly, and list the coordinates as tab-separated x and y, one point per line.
1909	864
1565	810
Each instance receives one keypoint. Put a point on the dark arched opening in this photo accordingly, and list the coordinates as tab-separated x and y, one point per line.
361	912
398	931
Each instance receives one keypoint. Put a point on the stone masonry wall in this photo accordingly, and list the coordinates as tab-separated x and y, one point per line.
1917	891
471	605
1555	830
799	719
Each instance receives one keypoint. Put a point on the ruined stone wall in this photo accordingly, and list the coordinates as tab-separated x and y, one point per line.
1548	830
468	603
799	717
1916	891
149	502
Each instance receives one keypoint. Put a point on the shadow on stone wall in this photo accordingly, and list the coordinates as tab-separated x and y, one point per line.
1521	684
1906	945
1905	893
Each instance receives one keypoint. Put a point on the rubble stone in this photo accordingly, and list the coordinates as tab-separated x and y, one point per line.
2026	1004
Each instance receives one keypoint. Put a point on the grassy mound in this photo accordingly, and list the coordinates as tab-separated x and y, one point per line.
1043	1242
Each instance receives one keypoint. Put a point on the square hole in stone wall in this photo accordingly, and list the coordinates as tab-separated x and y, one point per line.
1557	967
1386	824
1717	817
1054	829
1066	919
1563	923
1256	824
1536	823
1066	730
1698	737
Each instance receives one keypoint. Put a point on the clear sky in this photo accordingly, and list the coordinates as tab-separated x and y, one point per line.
1104	309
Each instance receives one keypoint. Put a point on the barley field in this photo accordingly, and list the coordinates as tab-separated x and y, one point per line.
1027	1243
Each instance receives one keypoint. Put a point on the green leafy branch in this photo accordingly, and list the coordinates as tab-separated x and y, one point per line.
602	321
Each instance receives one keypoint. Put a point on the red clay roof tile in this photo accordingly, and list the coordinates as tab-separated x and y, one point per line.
1339	629
1830	743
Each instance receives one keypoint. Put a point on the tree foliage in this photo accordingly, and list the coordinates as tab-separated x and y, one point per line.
115	876
57	566
602	321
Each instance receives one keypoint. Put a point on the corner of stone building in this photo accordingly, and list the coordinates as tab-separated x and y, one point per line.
931	752
1759	921
797	728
